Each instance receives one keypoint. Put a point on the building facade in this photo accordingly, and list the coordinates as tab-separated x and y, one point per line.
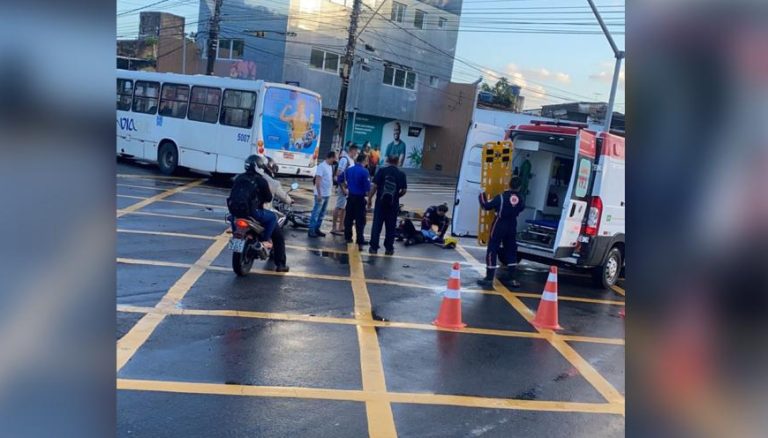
402	67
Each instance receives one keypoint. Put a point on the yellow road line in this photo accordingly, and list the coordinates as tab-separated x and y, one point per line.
365	396
194	204
295	274
172	216
381	422
134	186
217	195
163	233
619	290
357	322
575	299
585	369
128	175
609	341
140	332
129	261
164	194
501	403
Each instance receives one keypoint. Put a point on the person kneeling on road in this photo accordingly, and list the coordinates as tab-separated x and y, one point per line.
508	206
250	191
434	217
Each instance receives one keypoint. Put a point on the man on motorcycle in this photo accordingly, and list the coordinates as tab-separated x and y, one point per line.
250	192
267	169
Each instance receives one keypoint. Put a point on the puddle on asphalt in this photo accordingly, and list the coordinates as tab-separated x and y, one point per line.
339	257
377	317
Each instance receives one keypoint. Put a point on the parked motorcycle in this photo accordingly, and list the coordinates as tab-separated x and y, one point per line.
298	219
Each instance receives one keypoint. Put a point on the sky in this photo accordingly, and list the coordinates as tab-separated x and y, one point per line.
554	65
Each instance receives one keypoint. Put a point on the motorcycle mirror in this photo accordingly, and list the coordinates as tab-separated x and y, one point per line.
294	186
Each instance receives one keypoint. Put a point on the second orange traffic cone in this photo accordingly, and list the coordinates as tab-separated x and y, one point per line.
450	309
546	315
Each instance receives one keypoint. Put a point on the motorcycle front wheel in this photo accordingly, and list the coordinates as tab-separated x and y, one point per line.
241	263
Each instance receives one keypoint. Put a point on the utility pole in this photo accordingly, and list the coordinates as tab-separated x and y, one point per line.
619	54
213	37
184	53
346	69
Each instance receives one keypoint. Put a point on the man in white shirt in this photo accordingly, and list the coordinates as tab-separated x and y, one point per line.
346	159
323	190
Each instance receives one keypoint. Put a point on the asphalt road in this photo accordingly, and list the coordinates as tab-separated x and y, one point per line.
343	345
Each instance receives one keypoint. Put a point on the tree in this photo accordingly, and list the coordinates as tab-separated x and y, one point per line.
502	92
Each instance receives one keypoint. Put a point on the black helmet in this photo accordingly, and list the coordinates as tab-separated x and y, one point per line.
253	162
270	167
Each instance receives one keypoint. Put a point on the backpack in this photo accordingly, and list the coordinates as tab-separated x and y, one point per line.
340	175
241	199
389	190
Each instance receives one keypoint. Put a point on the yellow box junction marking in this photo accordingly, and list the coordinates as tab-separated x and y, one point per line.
357	322
381	422
619	290
495	172
365	396
141	331
159	196
559	343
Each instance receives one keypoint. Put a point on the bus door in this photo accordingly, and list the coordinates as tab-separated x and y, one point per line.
577	196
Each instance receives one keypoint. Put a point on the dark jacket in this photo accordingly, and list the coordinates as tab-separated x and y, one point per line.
431	217
259	193
508	206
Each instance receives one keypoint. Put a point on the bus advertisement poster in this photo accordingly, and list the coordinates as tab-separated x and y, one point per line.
291	120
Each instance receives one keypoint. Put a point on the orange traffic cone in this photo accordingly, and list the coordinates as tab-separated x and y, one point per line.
450	309
546	316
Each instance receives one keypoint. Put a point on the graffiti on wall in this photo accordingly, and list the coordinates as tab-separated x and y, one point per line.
242	70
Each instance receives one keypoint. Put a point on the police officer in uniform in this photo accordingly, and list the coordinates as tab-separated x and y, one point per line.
508	206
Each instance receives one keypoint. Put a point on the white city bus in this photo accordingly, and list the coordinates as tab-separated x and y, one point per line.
212	124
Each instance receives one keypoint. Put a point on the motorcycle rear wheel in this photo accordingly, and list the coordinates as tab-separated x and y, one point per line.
241	263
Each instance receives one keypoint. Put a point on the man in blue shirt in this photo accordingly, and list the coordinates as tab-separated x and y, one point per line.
356	186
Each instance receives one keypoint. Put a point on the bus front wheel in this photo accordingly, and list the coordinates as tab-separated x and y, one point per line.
168	158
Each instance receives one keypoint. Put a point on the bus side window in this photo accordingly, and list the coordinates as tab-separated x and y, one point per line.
145	98
174	99
238	108
124	94
204	104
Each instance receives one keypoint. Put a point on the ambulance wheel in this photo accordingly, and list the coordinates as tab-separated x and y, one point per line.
607	275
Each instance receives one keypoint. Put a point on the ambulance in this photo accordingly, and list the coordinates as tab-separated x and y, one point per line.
573	182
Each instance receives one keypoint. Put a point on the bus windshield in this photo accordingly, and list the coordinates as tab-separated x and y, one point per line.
291	121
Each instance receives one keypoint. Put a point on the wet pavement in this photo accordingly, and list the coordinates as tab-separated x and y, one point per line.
343	345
